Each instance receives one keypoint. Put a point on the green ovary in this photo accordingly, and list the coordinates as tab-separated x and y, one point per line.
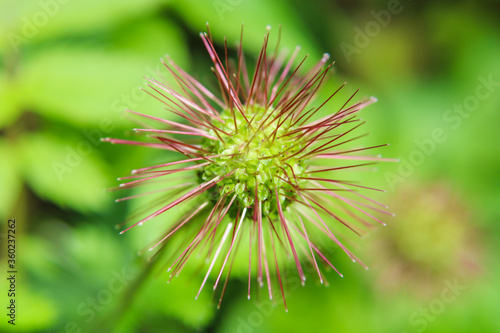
258	155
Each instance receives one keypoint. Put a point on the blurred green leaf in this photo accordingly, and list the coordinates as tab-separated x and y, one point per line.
66	172
10	108
34	21
35	312
150	37
9	178
90	257
85	87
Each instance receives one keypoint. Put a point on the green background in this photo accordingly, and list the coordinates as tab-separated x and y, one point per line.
70	68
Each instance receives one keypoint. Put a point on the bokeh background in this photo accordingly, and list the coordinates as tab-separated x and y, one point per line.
69	68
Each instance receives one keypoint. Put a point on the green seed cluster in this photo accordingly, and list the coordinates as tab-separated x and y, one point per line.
258	155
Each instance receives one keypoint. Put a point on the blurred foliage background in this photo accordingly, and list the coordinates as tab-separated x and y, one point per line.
69	68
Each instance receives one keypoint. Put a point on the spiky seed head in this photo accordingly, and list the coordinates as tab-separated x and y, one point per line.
255	165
